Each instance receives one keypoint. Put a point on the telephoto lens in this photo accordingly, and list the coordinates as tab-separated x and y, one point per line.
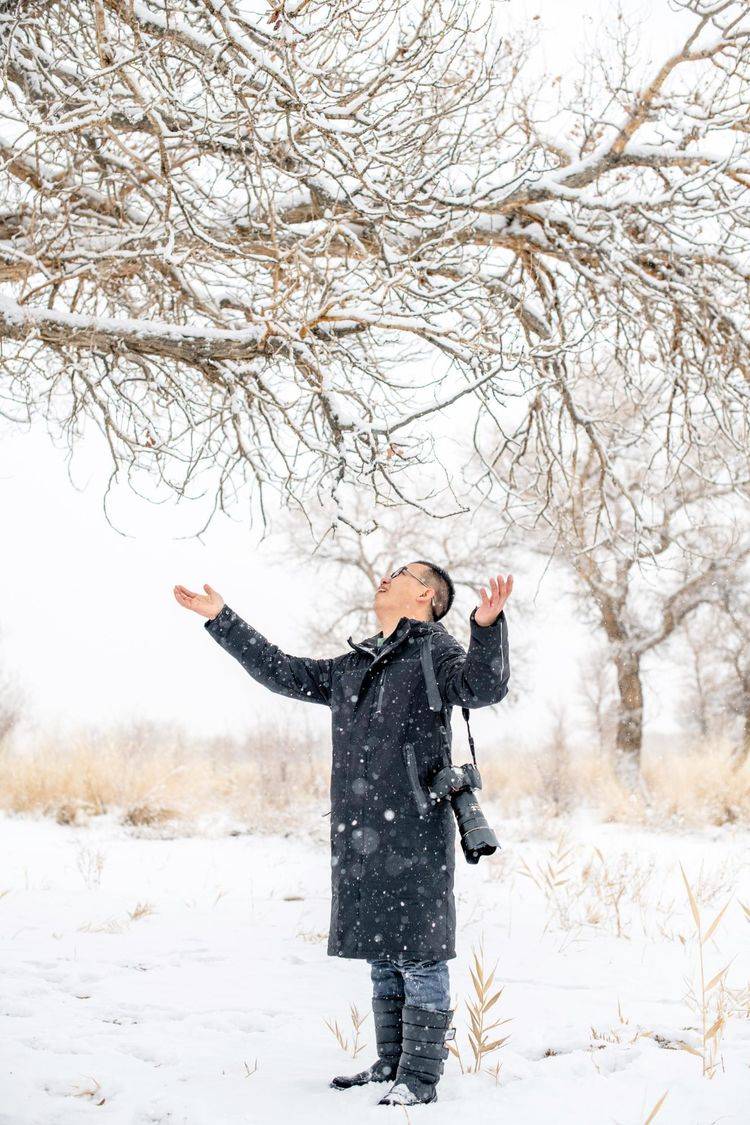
458	783
477	838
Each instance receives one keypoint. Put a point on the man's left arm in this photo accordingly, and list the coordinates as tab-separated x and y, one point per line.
478	676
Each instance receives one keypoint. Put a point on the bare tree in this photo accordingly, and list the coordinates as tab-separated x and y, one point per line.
553	765
226	234
704	706
731	647
12	702
643	566
598	694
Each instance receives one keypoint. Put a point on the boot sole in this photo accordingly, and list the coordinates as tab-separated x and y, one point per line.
369	1082
356	1085
408	1105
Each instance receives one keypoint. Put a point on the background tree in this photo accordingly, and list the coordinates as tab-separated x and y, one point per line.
12	702
648	544
717	695
703	706
598	695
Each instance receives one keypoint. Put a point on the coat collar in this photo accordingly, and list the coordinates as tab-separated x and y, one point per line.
405	627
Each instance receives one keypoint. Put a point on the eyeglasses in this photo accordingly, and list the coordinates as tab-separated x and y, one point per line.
405	570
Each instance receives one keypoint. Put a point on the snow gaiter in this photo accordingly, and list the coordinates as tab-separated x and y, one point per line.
386	1013
423	1055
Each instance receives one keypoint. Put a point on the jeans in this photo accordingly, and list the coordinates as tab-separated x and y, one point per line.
424	984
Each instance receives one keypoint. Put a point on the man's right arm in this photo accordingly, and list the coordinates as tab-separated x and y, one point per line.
297	677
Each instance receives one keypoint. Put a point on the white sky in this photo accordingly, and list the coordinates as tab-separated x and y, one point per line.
89	622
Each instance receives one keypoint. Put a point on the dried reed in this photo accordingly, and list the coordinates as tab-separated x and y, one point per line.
92	1092
552	878
480	1042
656	1108
708	997
357	1021
90	863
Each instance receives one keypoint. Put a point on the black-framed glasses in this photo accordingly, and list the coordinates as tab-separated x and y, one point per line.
405	570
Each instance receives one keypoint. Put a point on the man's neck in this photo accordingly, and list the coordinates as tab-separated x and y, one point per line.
389	621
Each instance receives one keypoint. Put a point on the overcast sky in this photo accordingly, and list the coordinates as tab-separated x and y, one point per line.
88	618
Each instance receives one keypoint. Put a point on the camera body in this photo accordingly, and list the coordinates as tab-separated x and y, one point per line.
457	784
454	779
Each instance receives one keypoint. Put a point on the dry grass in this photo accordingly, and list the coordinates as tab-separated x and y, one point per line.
621	1034
686	787
480	1029
736	1001
90	863
614	884
553	876
108	926
357	1020
656	1108
623	893
707	997
154	778
92	1092
314	937
118	925
141	910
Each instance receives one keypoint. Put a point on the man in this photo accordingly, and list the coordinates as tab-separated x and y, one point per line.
392	845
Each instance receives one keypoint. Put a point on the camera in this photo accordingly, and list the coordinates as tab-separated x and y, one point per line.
457	784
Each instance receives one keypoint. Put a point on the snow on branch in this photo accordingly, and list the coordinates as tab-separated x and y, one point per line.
239	222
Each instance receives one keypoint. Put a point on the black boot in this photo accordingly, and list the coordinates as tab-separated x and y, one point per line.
422	1057
386	1013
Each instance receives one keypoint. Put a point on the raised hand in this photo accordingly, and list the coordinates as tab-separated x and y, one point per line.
490	607
209	604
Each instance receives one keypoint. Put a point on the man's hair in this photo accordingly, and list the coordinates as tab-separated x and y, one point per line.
441	582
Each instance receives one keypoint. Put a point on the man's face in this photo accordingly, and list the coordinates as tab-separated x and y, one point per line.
405	594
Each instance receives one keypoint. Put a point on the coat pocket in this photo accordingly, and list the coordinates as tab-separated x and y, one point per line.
421	800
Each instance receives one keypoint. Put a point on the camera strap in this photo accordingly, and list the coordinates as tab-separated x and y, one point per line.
435	701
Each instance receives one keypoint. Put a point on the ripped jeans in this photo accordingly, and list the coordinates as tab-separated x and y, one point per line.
424	984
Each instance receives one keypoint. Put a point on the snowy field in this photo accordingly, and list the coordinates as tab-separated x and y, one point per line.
185	981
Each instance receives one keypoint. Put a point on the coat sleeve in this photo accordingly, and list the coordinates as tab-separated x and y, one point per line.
298	677
479	676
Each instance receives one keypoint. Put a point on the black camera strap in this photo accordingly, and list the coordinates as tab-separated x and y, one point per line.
435	701
465	713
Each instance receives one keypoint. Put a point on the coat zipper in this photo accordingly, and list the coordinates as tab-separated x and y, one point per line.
382	688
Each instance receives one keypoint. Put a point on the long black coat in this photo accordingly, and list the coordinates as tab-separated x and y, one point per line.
392	868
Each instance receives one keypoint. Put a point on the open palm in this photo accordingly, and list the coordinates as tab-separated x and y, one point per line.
490	607
207	605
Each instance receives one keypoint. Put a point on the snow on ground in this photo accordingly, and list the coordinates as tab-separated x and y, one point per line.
209	1007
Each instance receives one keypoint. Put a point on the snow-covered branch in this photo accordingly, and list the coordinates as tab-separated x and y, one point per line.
324	189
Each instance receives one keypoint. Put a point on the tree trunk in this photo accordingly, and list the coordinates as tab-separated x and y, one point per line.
744	749
630	718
